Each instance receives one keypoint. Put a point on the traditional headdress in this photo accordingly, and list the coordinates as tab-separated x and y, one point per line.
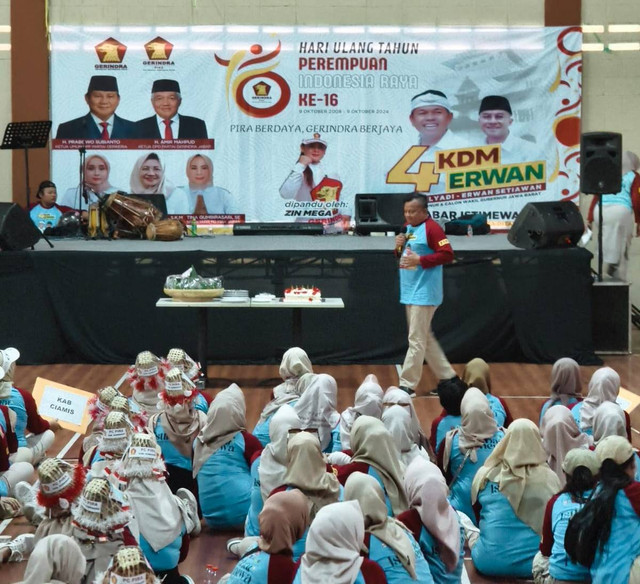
100	509
60	483
142	459
116	433
129	566
180	359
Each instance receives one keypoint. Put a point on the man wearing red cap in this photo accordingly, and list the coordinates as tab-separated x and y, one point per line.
168	124
101	123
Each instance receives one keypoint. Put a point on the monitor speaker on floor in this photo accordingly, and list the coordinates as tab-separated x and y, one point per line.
547	225
17	231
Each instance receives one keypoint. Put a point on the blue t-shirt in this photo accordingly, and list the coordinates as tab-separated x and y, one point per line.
16	403
170	453
261	430
447	423
546	405
44	218
613	564
506	546
251	525
497	408
165	558
576	412
251	569
200	403
623	197
431	552
560	566
395	572
224	486
460	489
421	286
335	444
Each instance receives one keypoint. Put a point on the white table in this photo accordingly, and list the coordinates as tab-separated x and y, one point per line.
218	303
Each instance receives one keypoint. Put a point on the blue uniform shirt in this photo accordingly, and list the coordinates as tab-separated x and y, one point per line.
421	286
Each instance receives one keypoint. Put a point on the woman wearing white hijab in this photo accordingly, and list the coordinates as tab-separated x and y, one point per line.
296	372
395	396
465	449
333	549
165	520
148	178
560	434
222	457
433	522
512	489
604	386
307	472
56	559
273	463
566	385
610	420
375	453
388	541
317	410
367	402
397	420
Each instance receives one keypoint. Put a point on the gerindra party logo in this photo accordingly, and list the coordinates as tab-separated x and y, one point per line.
111	54
158	49
252	83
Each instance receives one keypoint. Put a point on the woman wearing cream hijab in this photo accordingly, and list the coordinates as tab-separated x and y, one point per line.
560	434
307	471
367	402
512	489
296	372
566	385
465	449
333	548
56	559
222	457
397	420
389	543
375	453
433	521
317	409
476	374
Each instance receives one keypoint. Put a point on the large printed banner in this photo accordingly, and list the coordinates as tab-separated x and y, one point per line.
290	123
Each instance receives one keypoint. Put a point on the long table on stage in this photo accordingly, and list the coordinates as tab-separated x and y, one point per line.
94	301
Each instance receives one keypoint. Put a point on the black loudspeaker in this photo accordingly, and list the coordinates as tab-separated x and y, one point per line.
544	225
601	163
17	231
380	212
278	229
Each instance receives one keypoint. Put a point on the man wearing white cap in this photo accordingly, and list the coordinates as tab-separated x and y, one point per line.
312	180
431	115
495	118
24	406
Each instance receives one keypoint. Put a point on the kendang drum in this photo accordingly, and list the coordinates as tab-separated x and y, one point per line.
165	230
130	216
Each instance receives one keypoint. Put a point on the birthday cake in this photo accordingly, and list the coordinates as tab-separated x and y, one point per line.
302	294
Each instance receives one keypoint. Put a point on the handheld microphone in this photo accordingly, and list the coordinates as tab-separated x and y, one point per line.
400	248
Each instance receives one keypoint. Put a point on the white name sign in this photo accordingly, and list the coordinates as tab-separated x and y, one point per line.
60	402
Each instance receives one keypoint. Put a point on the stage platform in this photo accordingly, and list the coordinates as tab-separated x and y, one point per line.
271	243
94	301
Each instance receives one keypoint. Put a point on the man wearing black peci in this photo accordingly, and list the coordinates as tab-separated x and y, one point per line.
101	123
168	124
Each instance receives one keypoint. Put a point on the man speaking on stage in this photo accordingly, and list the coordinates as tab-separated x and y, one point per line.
422	250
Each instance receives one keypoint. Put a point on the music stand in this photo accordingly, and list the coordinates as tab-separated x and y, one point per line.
26	135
